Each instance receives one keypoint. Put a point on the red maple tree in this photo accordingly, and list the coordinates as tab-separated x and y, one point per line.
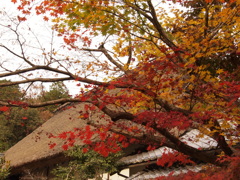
162	76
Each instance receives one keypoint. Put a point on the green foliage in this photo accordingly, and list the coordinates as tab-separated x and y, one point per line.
4	168
85	165
12	93
57	91
16	124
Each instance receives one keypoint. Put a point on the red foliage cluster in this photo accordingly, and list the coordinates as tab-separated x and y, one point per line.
163	119
109	143
168	159
4	108
210	172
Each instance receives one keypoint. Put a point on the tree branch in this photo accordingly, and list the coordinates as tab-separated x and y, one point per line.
209	157
105	52
12	83
154	20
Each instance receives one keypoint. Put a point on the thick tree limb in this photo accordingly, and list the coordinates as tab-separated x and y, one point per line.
190	151
221	140
37	105
172	141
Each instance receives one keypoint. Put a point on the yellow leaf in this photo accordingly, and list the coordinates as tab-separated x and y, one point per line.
219	71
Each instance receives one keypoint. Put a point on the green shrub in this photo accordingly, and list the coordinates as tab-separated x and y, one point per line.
85	165
4	168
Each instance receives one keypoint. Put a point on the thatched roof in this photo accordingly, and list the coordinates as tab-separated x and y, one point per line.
35	146
34	149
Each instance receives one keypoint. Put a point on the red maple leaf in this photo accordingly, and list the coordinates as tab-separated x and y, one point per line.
4	108
65	147
21	18
63	135
111	86
85	150
52	145
45	18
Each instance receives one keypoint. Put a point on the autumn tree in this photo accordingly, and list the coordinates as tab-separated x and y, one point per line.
164	73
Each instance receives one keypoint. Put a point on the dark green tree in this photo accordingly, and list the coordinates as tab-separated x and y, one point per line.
16	122
57	90
12	93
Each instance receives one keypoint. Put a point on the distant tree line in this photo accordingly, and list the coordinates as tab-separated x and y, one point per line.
17	122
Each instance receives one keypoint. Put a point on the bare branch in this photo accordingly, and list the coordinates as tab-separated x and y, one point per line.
4	84
17	55
105	52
